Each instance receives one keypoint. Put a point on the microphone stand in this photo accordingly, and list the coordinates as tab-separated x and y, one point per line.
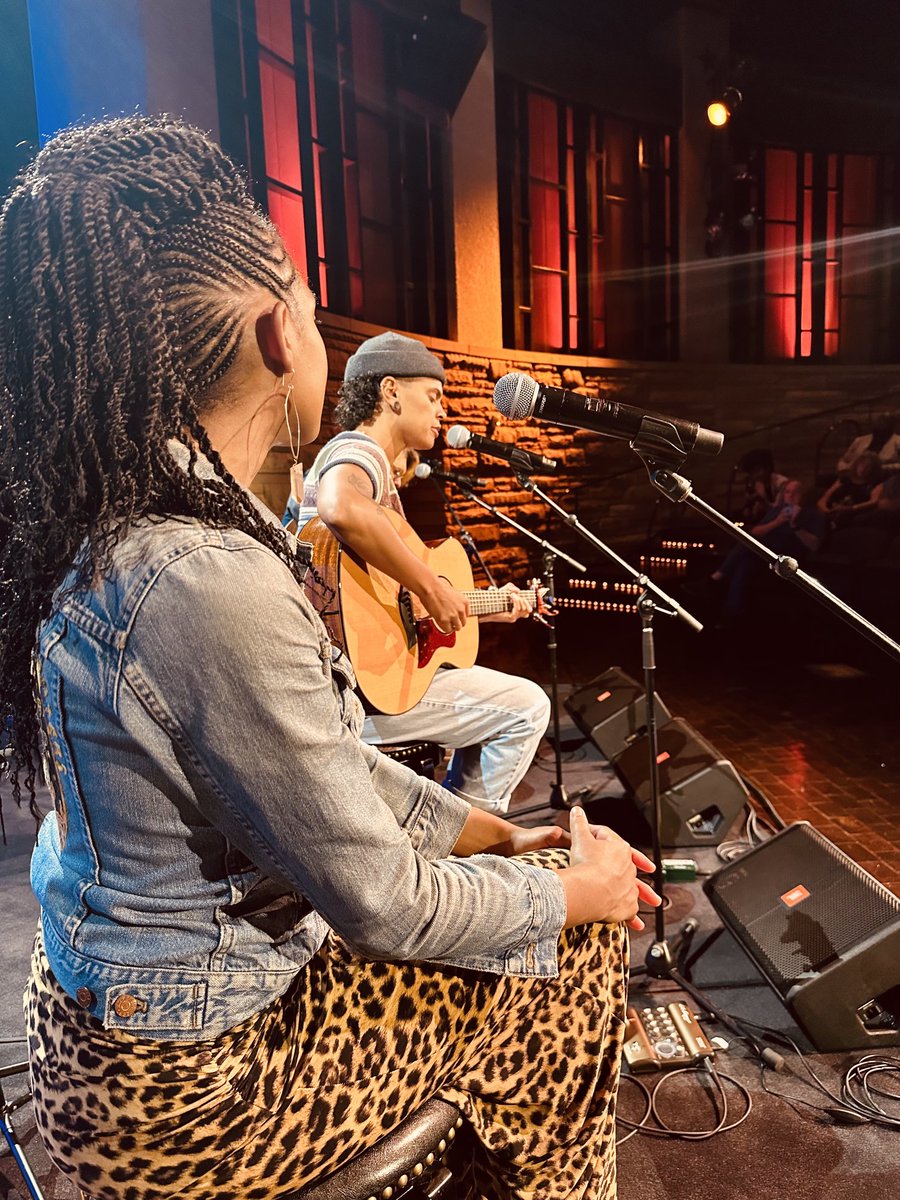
660	952
558	795
464	536
679	490
659	448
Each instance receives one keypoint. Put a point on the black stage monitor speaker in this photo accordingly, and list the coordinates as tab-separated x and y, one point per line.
610	711
700	791
824	933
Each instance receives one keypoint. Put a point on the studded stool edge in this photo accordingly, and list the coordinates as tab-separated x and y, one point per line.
421	756
404	1156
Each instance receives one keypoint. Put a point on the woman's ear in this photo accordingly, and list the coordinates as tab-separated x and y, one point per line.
274	336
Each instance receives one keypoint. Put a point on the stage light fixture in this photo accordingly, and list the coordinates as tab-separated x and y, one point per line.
720	111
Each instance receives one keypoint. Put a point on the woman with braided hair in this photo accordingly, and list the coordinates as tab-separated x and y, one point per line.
226	999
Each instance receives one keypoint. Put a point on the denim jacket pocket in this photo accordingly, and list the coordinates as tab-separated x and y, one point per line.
155	1007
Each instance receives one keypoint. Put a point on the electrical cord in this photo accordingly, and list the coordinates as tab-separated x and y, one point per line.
854	1105
756	829
720	1104
774	816
636	1127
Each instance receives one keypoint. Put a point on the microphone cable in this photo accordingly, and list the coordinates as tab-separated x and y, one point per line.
854	1104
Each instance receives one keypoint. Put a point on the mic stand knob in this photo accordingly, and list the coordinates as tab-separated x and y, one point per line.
659	960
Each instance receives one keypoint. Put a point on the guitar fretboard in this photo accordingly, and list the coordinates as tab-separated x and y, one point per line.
485	601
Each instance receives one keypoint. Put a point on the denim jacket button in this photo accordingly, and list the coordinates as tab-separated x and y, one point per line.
125	1006
85	997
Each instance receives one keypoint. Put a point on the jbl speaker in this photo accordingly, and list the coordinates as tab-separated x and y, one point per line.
610	711
823	932
700	791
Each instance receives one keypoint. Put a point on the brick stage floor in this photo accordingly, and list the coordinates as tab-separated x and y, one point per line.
804	707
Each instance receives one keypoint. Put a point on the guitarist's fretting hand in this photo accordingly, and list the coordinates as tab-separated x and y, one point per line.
519	607
447	607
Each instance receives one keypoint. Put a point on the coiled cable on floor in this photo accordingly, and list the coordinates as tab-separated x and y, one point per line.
705	1071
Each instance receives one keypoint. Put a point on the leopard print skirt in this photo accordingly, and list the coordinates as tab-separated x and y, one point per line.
350	1050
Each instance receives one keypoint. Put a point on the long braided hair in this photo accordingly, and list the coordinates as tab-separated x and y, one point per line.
128	250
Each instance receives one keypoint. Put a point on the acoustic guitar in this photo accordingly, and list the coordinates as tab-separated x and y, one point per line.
394	646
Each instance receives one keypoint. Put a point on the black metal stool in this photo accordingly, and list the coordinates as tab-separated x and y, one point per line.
427	1157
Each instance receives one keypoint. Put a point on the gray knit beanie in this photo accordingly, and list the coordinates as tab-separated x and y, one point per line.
393	354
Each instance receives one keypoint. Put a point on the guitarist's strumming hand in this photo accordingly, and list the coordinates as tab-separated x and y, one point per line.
447	607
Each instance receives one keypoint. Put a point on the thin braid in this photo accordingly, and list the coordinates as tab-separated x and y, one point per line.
128	250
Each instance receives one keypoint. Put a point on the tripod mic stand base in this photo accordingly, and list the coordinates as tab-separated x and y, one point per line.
665	960
559	798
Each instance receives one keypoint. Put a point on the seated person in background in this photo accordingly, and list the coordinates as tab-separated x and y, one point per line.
391	403
852	495
763	485
790	527
882	441
887	501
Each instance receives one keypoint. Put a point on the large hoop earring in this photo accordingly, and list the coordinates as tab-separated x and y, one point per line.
295	451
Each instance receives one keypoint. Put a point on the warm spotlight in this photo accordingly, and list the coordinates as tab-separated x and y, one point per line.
722	109
717	114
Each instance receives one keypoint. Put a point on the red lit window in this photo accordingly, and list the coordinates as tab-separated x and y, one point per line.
348	164
587	207
823	277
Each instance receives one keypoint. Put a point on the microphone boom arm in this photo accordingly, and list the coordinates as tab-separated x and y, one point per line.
669	607
679	490
546	546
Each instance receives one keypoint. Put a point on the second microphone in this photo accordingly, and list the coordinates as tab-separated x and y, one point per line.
461	438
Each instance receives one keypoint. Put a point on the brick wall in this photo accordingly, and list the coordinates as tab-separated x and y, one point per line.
786	408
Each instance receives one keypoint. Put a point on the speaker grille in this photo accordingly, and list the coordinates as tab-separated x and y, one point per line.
802	904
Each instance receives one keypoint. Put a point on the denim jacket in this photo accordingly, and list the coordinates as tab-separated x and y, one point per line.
215	811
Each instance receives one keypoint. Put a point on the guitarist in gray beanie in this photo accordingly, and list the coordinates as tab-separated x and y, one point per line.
391	401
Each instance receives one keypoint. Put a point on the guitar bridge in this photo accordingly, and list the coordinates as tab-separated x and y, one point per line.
407	619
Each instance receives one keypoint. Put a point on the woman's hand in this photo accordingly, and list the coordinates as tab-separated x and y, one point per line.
539	837
602	884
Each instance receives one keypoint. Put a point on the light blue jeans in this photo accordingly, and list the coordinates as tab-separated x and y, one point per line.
493	722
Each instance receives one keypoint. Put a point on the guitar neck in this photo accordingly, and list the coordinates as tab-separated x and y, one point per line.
485	601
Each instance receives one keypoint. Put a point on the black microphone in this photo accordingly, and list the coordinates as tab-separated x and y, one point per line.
522	460
424	470
518	396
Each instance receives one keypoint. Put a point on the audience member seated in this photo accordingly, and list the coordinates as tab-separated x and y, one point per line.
882	441
887	501
791	526
852	497
763	485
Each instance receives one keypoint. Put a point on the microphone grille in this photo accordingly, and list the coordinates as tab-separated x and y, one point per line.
423	470
458	437
515	395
